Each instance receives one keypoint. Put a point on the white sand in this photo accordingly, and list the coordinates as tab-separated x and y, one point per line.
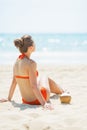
16	116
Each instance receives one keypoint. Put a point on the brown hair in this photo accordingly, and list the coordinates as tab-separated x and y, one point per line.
23	43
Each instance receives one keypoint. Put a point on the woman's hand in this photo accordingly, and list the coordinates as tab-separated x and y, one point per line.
48	106
3	100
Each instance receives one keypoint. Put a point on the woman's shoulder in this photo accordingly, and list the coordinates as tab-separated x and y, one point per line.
25	62
29	63
32	63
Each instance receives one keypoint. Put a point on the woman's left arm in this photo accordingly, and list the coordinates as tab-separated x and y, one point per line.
12	88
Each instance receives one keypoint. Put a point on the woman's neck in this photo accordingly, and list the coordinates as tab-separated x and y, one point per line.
27	54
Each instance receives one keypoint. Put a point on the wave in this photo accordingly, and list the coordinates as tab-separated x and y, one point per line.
54	40
48	57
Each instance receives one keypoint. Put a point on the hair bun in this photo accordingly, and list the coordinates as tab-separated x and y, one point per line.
18	43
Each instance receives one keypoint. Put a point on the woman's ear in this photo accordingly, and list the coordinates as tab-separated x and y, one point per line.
31	48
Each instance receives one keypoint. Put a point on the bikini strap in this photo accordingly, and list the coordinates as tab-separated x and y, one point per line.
21	56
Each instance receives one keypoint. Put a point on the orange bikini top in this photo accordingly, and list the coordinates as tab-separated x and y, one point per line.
24	77
21	56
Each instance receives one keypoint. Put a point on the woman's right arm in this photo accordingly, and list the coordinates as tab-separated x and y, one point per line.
33	83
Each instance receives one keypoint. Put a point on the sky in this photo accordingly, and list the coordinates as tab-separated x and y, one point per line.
43	16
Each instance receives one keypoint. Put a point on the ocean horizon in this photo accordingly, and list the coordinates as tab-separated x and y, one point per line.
50	48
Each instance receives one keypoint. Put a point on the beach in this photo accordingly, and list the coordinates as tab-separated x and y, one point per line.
57	32
16	116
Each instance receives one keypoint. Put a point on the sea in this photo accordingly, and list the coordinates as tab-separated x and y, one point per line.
51	48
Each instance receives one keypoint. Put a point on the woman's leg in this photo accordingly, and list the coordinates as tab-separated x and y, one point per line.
54	87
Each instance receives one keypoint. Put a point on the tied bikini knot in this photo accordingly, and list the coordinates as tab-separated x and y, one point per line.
21	56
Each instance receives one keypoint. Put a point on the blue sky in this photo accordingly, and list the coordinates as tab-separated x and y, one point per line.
61	16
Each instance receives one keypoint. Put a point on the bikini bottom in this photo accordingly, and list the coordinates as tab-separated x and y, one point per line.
36	102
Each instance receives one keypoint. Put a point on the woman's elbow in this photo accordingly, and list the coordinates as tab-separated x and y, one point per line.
34	86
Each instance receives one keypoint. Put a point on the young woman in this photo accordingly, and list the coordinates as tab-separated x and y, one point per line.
25	74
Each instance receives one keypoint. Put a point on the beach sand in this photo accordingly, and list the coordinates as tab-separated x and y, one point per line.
17	116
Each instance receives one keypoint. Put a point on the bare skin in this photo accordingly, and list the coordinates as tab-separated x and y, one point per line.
30	88
54	87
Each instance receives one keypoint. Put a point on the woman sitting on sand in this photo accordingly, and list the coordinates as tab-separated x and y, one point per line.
25	74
